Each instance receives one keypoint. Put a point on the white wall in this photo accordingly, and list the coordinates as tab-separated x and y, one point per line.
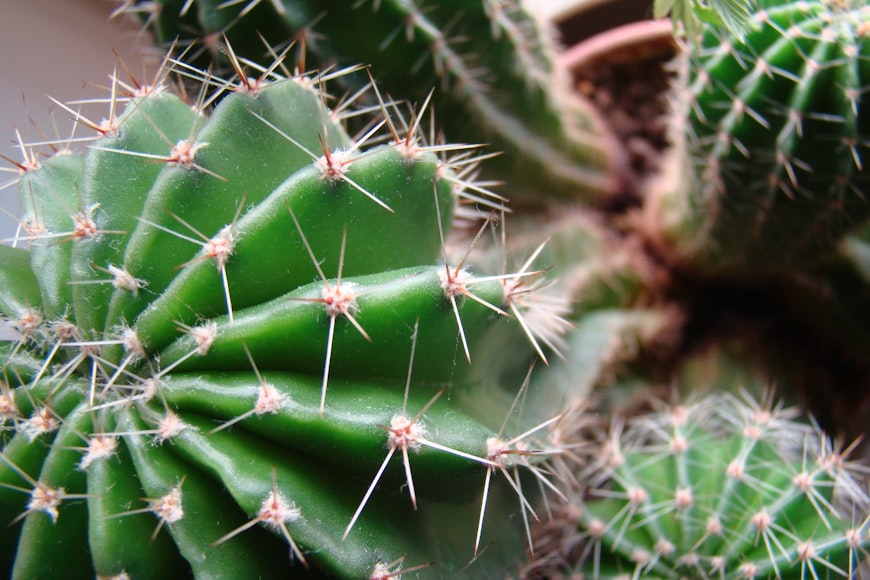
52	47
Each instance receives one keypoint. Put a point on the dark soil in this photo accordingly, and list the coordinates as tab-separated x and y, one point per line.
631	95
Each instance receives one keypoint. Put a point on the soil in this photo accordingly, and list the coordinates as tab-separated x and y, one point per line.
631	95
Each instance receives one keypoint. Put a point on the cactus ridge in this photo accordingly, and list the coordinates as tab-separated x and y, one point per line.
778	132
216	305
491	59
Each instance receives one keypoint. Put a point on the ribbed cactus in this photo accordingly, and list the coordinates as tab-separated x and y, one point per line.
491	62
250	344
777	136
723	487
240	338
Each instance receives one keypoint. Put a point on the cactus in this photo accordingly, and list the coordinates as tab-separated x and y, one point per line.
491	61
239	335
724	486
243	335
777	137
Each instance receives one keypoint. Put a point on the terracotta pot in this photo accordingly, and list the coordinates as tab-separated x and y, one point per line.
614	71
584	19
635	41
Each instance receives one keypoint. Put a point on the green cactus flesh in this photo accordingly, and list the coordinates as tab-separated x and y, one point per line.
724	487
778	132
491	61
239	341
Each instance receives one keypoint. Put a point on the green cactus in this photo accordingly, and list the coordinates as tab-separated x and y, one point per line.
233	320
725	487
492	62
249	344
777	137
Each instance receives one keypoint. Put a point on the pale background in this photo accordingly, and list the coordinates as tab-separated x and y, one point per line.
64	48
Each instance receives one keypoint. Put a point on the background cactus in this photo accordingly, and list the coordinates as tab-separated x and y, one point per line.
776	138
491	61
721	487
240	321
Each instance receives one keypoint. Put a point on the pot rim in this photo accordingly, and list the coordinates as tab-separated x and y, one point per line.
627	42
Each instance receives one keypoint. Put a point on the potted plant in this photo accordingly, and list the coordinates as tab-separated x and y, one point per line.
250	341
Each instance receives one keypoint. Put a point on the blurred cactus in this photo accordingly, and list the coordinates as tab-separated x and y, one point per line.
776	137
721	487
689	15
490	61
